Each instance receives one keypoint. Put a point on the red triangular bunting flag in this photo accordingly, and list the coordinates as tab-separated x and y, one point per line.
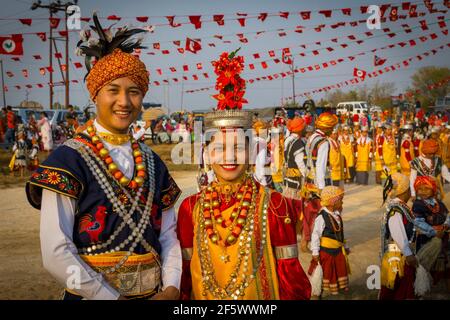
199	66
219	19
192	45
195	20
114	17
54	22
284	14
42	36
142	19
346	11
377	61
412	11
172	23
326	13
264	65
241	21
26	21
306	15
262	16
359	73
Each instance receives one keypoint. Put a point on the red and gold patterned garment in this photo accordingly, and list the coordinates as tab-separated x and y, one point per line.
270	268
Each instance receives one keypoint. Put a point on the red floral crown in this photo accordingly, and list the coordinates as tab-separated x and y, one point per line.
229	83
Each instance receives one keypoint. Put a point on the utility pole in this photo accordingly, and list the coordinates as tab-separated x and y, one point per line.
53	8
3	84
293	80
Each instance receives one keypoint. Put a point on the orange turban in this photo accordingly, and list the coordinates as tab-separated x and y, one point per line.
326	121
117	65
296	125
426	181
430	146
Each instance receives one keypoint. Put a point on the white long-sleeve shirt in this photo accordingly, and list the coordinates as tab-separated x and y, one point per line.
59	253
398	233
319	226
260	160
321	165
412	178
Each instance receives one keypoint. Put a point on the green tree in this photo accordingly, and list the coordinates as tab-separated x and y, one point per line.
425	77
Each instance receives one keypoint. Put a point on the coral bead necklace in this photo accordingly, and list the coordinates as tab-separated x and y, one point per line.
100	149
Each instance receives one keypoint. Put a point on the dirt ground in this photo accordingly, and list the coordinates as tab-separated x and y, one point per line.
23	277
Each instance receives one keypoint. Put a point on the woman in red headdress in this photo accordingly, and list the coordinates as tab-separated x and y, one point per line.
238	237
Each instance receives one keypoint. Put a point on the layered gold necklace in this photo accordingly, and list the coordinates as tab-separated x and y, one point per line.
241	226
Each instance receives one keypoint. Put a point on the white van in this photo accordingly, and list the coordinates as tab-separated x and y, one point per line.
352	107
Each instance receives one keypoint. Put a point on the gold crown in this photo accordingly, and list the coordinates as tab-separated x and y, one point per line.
229	119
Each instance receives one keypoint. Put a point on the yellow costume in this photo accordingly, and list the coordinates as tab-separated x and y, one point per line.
406	155
445	138
390	154
378	145
364	160
336	161
346	146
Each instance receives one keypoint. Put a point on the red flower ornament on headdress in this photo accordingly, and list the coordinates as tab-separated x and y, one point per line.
229	83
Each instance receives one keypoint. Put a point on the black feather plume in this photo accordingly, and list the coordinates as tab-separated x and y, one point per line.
105	44
388	185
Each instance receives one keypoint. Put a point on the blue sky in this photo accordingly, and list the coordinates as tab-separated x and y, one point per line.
259	94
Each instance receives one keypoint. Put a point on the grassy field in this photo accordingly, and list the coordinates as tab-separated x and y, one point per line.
7	181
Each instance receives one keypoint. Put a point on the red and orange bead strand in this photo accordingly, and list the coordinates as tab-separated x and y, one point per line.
113	168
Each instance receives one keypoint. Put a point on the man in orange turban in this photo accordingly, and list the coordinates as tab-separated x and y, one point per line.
296	125
428	163
430	147
107	201
317	171
326	122
294	153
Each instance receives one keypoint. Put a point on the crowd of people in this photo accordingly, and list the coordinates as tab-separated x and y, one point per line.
408	153
25	139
